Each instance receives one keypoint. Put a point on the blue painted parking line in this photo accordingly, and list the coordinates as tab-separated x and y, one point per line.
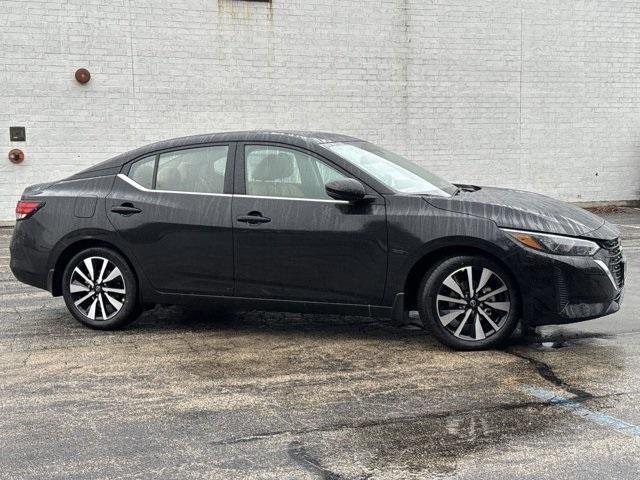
576	408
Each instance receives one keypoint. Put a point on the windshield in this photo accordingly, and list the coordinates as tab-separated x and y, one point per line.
396	172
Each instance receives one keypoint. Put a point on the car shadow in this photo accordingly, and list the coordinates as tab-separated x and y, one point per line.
172	319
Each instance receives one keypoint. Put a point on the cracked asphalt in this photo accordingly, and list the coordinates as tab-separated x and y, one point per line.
186	394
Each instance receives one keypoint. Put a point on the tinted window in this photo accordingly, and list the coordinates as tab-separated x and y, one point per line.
141	172
283	172
199	170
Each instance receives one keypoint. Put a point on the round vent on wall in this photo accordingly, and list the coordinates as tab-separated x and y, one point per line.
16	155
83	75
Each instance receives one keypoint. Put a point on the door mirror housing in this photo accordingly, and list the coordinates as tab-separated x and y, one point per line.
347	189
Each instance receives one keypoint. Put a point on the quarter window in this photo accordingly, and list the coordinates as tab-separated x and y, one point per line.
283	172
328	174
199	170
141	172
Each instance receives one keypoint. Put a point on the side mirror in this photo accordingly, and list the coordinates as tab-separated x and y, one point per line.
347	189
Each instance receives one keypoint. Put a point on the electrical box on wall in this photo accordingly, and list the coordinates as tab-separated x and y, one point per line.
17	134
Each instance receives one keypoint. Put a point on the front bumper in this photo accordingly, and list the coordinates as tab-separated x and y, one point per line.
564	289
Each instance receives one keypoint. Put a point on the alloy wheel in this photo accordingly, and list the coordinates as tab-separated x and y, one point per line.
97	288
473	303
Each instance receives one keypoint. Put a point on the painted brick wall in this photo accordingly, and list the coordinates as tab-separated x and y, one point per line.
541	95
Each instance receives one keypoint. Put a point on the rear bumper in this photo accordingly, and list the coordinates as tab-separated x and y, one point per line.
30	278
28	263
560	289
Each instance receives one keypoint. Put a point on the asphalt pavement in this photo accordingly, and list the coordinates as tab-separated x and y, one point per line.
186	394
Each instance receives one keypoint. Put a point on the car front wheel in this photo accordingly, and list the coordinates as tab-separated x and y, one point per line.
469	302
100	289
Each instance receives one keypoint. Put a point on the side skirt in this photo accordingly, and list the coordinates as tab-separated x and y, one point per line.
294	306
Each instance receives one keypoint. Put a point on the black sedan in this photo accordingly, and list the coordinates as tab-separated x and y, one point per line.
311	222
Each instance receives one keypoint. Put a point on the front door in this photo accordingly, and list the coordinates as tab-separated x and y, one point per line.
294	242
174	211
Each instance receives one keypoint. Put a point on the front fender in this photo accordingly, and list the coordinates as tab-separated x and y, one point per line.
417	230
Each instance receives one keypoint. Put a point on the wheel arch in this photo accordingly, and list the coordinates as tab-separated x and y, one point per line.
439	253
77	246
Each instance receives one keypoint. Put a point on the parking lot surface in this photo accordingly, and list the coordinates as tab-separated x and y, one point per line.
185	394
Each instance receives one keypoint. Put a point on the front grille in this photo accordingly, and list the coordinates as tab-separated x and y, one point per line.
611	244
616	259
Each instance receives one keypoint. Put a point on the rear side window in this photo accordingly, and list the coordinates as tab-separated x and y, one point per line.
141	172
196	170
199	170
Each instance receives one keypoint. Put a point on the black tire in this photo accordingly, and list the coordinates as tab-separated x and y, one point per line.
437	312
106	302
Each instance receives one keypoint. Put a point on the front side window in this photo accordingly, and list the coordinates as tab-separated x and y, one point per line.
272	171
394	171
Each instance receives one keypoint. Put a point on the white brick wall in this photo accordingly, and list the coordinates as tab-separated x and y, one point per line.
535	94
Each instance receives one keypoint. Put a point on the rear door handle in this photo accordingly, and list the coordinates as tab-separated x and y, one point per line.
125	209
253	218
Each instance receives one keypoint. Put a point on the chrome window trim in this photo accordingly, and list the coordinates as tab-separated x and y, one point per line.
341	202
137	186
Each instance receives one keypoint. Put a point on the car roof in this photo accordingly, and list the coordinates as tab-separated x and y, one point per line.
296	138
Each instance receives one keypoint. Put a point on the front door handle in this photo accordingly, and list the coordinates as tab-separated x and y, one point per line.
253	218
125	209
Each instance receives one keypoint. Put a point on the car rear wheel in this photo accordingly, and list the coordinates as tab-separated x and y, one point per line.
469	302
100	289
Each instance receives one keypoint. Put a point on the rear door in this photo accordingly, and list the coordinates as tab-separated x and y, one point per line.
174	210
293	242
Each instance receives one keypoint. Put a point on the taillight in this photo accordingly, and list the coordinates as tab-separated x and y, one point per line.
26	208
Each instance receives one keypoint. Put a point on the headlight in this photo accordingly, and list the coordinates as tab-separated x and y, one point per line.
555	244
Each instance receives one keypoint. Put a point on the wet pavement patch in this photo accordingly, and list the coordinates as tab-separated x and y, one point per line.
577	408
547	373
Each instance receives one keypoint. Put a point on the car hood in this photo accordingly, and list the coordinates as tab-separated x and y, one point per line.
527	211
